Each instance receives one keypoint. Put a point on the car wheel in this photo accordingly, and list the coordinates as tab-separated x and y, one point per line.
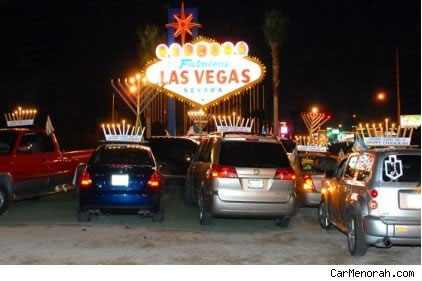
84	216
205	218
355	238
188	199
282	222
4	200
158	216
323	219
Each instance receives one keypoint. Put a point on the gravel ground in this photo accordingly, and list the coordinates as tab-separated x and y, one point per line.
45	231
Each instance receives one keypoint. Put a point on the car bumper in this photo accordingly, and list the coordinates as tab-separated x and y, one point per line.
398	233
118	201
251	209
309	198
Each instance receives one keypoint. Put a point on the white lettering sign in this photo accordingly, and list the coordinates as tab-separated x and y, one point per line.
17	123
382	141
311	148
123	138
205	72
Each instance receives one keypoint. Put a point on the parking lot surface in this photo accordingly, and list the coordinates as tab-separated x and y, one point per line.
45	231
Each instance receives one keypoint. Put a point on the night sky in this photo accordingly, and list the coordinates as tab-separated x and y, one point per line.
59	56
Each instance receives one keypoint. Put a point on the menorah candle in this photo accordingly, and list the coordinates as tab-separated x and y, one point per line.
230	120
118	128
238	120
102	125
241	123
386	126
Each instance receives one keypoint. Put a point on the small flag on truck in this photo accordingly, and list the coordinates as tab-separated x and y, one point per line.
49	126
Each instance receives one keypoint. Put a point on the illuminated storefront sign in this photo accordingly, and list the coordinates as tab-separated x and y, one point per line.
205	72
410	121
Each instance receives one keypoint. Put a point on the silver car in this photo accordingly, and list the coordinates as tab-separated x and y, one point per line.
309	170
375	198
241	175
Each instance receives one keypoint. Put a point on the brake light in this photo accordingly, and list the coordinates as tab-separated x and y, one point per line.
154	181
373	193
223	171
86	180
285	174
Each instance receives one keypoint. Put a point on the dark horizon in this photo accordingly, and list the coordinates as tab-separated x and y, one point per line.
60	57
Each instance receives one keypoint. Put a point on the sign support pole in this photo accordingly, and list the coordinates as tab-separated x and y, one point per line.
171	102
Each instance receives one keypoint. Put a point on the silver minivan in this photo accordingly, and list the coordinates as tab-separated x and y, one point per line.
375	198
241	175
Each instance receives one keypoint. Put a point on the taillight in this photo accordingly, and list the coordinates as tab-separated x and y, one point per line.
373	193
223	171
308	183
372	204
86	180
154	181
285	174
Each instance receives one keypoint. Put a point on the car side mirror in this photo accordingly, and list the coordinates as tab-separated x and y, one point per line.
330	174
26	148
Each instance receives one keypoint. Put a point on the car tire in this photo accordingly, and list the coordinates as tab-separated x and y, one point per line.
282	222
205	217
188	198
84	216
355	236
158	216
323	219
4	200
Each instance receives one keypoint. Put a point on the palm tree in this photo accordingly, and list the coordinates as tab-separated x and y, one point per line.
274	29
149	37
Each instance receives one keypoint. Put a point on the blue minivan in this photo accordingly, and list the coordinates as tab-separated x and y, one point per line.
119	177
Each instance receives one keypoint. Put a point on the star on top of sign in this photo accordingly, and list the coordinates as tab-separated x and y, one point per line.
183	24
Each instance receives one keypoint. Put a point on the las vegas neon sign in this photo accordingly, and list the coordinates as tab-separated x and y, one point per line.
205	72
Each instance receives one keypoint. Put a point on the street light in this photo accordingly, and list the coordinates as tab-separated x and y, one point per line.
381	96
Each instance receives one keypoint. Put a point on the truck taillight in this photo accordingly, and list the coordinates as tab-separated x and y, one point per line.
308	183
373	193
223	171
154	181
86	180
285	174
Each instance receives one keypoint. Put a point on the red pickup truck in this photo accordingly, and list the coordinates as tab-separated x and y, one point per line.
31	164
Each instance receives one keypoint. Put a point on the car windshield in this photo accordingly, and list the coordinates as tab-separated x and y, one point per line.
253	154
317	164
402	168
123	155
7	140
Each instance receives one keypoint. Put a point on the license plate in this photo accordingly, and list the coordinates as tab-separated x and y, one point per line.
410	200
256	184
120	180
401	229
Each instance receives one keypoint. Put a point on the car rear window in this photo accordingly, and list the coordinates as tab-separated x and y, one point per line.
317	164
121	155
7	140
289	145
402	168
253	154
